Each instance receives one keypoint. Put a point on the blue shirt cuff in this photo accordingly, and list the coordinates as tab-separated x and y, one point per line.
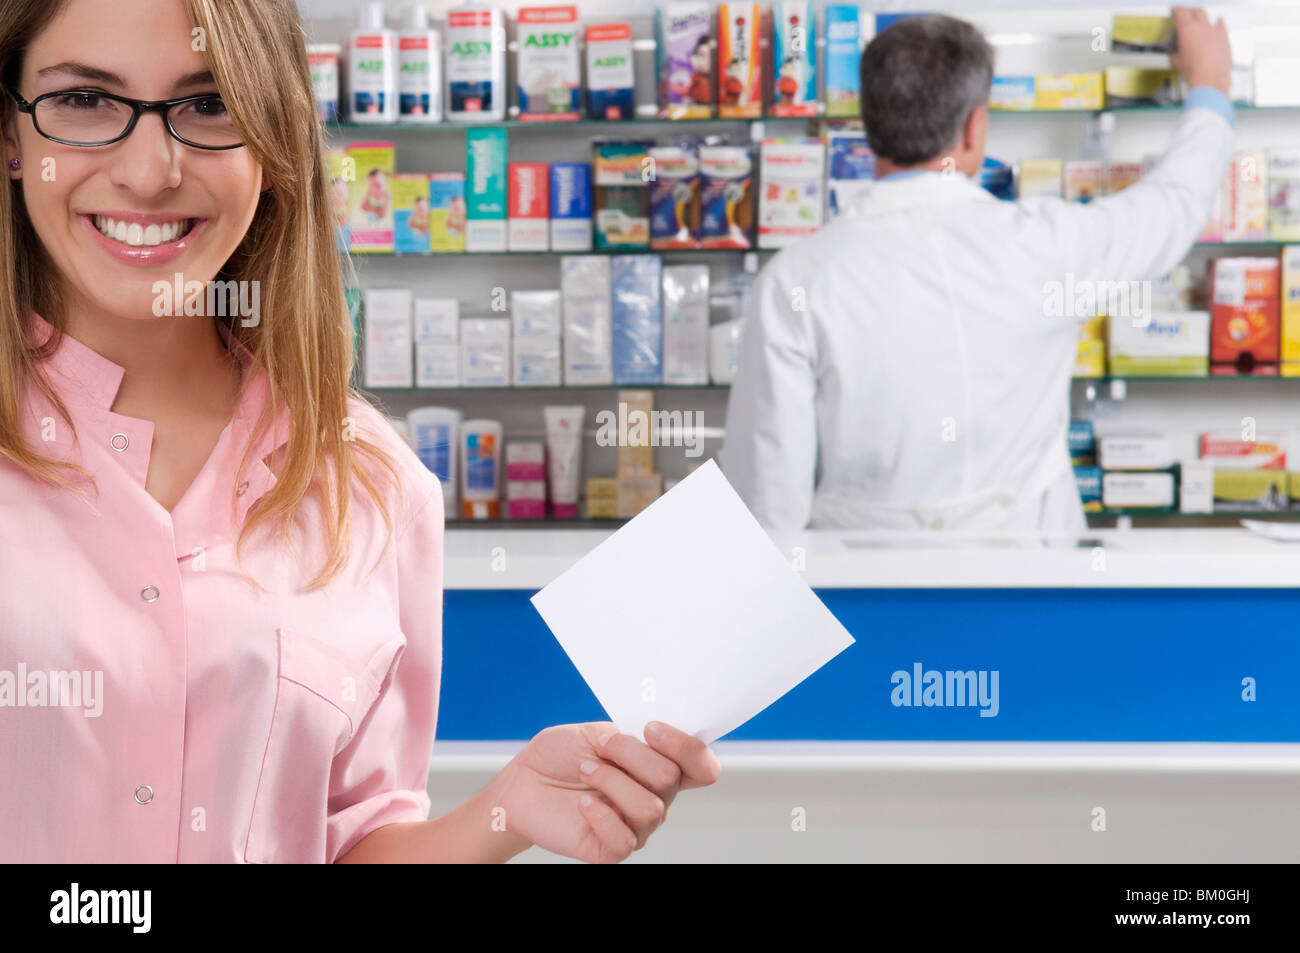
1207	97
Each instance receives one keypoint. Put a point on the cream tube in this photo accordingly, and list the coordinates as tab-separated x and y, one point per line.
564	458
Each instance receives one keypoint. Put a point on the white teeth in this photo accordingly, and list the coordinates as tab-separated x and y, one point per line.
137	235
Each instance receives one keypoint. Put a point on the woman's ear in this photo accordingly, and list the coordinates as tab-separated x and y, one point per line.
12	148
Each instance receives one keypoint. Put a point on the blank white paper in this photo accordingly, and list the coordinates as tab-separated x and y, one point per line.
690	615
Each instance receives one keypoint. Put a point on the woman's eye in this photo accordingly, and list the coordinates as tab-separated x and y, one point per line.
85	101
211	106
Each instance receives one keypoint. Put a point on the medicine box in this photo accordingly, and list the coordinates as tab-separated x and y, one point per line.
1173	344
637	319
447	212
1068	91
485	189
388	333
1137	490
529	208
1134	452
370	197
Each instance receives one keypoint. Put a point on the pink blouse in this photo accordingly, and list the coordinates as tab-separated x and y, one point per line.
157	707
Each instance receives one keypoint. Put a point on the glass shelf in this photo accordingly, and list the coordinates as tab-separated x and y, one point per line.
1256	243
613	124
1265	243
1170	378
610	252
1170	513
586	522
586	124
1145	108
549	389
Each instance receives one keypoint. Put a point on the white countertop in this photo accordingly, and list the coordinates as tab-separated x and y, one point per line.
503	557
891	756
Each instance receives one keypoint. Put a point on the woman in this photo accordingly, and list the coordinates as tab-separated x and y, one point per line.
220	633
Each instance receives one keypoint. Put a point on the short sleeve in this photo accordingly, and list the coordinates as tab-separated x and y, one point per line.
381	776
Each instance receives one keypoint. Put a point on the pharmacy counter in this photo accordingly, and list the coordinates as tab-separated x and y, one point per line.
1122	636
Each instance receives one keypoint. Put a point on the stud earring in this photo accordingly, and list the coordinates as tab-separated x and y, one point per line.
15	165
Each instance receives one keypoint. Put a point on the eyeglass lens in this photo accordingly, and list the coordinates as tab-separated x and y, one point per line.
88	118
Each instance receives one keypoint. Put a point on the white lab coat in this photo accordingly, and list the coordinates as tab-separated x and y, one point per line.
899	370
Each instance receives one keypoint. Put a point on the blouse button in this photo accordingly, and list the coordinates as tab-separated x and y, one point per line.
143	794
149	593
119	442
243	488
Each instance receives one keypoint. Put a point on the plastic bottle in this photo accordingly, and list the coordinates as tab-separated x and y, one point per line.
435	437
480	469
372	68
476	63
419	73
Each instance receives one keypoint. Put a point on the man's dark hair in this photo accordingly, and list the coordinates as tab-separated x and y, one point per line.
922	77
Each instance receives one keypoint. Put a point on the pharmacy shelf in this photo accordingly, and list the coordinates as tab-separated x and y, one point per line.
332	128
693	387
1163	514
588	124
527	390
1256	243
421	256
1168	379
1148	108
1171	513
547	523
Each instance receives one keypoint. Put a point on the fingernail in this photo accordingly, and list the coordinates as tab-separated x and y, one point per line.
585	800
604	739
654	729
588	766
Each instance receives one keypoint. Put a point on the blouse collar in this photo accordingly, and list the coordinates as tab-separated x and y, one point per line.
99	380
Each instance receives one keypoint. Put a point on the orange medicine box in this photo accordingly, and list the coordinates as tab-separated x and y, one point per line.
1244	323
740	61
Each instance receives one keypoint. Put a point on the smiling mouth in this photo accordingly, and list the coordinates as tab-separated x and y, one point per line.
137	235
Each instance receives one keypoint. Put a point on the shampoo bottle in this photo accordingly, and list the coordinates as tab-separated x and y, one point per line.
476	63
372	68
419	57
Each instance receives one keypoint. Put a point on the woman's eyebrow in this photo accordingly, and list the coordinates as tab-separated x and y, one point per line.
202	78
85	71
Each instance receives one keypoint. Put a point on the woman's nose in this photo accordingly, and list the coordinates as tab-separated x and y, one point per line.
148	160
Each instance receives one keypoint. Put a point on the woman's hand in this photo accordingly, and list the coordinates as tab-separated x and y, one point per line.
588	792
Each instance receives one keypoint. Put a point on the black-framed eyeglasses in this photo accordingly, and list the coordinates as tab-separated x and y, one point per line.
88	118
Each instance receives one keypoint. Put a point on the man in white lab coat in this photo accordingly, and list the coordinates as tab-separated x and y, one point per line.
908	366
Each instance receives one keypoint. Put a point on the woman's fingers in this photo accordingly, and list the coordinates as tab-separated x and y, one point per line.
653	770
698	764
617	841
641	809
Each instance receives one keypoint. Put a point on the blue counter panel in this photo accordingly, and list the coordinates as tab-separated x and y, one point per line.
1071	664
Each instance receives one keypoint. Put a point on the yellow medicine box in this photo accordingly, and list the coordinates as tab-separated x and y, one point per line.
1090	360
1068	91
1291	311
602	497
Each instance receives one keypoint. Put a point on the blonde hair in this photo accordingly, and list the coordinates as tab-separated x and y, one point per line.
256	51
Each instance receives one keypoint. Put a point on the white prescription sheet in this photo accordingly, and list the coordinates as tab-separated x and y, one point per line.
689	614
